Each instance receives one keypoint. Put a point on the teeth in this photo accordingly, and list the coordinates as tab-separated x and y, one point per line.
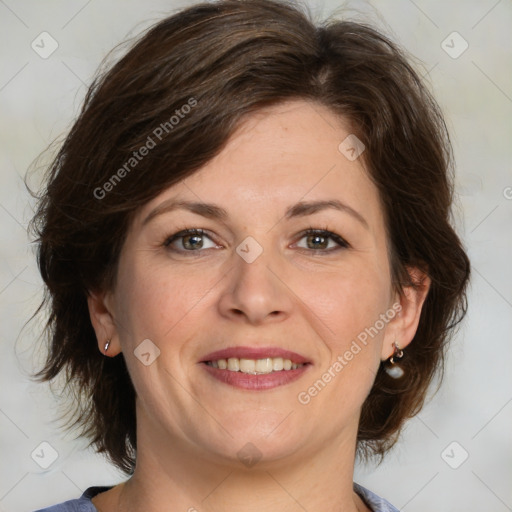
264	365
277	364
247	365
234	364
255	366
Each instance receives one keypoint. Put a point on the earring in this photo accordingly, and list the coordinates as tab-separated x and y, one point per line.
394	370
107	344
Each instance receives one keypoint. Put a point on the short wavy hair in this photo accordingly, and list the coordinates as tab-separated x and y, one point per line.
225	60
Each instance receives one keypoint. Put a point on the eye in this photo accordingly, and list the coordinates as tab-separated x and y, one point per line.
323	240
190	240
193	239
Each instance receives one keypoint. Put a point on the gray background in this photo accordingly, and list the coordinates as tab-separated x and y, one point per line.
40	97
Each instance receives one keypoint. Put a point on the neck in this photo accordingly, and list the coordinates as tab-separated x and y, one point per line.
171	475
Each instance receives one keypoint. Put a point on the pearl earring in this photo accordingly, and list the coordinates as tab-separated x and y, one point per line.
394	370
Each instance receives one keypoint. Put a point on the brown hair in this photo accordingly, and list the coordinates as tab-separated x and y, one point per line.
181	91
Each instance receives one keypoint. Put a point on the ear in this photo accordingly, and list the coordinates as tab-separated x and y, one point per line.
102	319
402	328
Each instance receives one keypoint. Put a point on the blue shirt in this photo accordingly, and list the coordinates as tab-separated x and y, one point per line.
84	503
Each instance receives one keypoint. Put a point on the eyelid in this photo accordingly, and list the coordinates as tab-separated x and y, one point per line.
327	233
324	232
187	231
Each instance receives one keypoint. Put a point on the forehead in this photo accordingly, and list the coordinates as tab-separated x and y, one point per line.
278	156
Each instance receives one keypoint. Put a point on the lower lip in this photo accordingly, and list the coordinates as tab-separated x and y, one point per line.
256	382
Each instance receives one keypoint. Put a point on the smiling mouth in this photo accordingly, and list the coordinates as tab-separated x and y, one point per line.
255	366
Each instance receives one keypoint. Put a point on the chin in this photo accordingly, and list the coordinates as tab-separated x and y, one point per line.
257	438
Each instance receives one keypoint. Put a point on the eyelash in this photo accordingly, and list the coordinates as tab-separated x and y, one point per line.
324	232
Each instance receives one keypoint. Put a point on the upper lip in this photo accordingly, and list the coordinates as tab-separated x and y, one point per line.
254	353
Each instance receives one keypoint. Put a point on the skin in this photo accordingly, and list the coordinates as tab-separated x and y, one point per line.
190	426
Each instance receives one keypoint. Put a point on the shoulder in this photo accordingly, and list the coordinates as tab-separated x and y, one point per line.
376	503
82	504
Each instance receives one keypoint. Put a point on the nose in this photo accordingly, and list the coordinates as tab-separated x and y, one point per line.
255	292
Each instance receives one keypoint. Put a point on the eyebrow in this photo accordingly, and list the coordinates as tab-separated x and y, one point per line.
213	211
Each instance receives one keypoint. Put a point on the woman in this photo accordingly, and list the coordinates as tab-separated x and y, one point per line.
251	272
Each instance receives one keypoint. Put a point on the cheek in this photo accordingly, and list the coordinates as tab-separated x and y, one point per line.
156	301
351	309
351	354
348	301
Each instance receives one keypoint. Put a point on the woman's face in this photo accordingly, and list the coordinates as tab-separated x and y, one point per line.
255	279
